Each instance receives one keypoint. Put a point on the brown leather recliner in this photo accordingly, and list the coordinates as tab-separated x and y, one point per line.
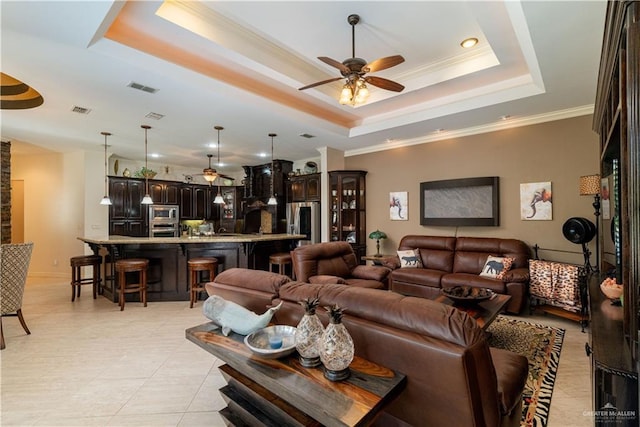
336	262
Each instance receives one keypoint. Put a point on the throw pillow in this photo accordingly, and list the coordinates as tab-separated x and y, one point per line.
496	267
410	258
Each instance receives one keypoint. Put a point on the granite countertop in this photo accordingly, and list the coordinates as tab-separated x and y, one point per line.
218	238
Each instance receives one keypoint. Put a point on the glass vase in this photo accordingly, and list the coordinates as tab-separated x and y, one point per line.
336	347
308	334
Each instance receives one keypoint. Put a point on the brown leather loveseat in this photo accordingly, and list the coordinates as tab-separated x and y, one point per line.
453	377
458	261
335	262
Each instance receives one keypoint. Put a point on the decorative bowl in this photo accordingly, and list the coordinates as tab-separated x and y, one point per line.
467	294
263	341
611	292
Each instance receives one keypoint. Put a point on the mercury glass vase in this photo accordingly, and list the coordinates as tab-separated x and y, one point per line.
308	334
336	347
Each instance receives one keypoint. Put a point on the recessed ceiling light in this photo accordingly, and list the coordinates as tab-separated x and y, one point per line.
439	130
155	155
211	145
262	154
470	42
505	117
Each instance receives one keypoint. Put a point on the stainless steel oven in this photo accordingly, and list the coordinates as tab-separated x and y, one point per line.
164	221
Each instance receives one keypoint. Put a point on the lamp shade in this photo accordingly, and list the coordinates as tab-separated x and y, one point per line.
589	185
377	235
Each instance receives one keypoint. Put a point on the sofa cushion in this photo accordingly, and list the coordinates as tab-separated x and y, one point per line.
471	253
419	276
410	258
258	280
511	370
439	250
326	278
495	267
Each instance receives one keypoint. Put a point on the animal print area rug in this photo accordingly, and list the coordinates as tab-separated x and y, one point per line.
541	345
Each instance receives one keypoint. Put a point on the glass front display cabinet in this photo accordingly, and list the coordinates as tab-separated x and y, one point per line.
347	209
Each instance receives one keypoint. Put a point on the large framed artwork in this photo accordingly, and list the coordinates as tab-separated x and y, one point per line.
466	201
536	203
398	206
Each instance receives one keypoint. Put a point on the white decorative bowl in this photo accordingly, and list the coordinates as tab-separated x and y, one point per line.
261	342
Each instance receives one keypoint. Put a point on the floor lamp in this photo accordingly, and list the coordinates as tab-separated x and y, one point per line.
590	186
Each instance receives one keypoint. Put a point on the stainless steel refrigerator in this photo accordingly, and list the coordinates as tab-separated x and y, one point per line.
304	218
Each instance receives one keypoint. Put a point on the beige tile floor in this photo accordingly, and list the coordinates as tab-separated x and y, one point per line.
88	364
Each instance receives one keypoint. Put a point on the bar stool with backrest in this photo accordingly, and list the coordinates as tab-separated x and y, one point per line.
77	280
281	259
132	265
196	284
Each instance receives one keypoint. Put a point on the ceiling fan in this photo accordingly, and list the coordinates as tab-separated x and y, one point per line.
209	173
355	70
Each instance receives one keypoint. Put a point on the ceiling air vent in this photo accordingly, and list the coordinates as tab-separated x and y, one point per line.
306	135
154	116
80	110
142	87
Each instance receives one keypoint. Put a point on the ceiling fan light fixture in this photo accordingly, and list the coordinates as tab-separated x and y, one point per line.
209	178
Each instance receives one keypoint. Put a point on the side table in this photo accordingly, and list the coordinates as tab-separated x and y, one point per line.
379	260
281	392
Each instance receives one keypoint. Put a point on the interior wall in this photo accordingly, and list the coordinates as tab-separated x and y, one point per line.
17	211
559	151
53	209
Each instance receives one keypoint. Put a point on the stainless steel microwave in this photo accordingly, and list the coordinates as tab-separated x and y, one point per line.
164	214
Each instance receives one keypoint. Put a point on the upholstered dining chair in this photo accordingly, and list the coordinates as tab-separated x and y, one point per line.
14	264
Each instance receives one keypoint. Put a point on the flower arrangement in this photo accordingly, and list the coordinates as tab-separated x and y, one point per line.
145	173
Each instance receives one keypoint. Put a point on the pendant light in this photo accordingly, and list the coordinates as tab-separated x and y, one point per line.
105	200
146	200
272	200
218	200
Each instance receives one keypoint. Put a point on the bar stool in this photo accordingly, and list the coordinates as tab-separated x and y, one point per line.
281	259
197	265
77	262
124	266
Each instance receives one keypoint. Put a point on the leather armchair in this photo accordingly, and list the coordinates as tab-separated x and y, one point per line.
336	262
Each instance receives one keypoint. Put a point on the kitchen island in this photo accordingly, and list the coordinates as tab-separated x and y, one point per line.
167	277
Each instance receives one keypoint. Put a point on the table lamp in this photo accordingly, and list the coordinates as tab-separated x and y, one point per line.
377	235
590	186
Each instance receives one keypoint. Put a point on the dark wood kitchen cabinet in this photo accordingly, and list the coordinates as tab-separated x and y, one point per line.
304	188
165	192
127	216
196	201
258	182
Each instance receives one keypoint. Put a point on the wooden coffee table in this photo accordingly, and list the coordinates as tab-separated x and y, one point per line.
281	392
484	312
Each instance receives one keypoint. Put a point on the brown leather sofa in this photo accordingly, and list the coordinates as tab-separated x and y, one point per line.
335	262
451	261
453	377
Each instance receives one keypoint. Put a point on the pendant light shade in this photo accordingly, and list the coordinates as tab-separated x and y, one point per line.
272	200
146	200
218	199
105	200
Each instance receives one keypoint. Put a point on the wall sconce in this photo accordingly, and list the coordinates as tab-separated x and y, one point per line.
590	186
105	200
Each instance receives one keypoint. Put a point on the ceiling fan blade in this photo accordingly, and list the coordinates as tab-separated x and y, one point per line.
226	177
320	83
339	65
384	83
383	63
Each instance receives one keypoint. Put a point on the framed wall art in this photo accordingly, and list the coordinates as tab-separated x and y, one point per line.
455	202
536	202
398	206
